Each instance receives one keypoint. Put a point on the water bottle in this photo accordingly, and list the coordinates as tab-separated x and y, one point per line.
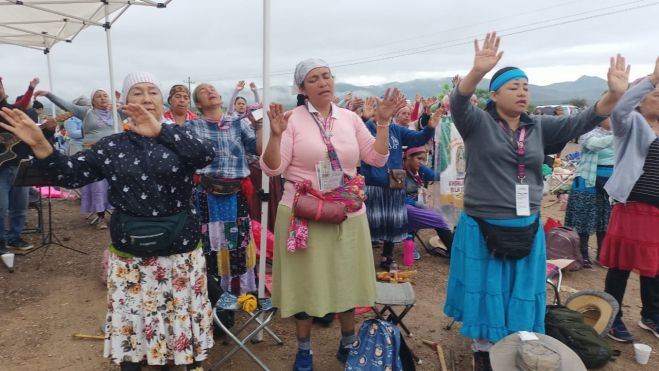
408	252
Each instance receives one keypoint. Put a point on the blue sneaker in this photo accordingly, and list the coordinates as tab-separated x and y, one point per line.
618	332
303	361
417	254
650	325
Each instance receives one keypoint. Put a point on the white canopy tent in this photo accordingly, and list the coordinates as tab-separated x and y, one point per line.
40	24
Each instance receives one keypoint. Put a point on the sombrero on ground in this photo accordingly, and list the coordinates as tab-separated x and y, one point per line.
598	308
531	351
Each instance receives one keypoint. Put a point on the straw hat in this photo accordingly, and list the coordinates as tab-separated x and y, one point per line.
599	309
531	351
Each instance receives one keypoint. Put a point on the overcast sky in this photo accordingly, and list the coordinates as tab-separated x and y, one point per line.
221	41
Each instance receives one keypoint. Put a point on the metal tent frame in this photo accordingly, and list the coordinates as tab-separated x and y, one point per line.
40	24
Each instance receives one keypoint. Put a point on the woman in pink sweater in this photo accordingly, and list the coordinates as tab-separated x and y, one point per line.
333	271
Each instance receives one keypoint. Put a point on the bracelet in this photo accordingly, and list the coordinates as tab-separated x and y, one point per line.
382	125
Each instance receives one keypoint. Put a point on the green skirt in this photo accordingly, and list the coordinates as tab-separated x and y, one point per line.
333	274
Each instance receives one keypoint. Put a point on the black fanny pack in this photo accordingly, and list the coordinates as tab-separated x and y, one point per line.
146	236
508	242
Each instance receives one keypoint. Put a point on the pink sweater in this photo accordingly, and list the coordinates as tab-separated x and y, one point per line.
302	147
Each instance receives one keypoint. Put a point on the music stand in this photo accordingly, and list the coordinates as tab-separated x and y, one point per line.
28	176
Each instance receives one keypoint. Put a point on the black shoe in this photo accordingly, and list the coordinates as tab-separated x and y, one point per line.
481	361
20	244
386	263
343	353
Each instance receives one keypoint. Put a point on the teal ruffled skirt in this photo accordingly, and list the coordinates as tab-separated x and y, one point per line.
490	296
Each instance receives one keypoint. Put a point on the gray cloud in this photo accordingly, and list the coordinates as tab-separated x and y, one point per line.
220	41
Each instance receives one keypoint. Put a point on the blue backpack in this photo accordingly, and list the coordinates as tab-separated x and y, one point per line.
376	348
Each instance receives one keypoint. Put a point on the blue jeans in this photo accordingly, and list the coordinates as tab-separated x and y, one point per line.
13	202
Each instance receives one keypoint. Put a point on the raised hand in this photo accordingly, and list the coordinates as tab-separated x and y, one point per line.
252	85
35	81
278	119
348	96
141	121
241	85
427	103
456	80
22	126
418	98
436	117
393	101
369	107
618	75
654	77
356	104
488	56
40	93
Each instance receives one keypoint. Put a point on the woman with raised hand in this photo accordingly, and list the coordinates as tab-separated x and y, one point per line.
158	308
97	123
238	104
632	240
221	196
385	185
498	287
321	267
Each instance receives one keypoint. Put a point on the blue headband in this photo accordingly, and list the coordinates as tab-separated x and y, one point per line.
514	74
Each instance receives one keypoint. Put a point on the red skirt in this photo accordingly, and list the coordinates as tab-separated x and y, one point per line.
632	240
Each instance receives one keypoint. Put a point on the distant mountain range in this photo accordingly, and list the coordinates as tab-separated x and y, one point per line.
586	87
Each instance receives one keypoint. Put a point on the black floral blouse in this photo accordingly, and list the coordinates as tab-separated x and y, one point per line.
147	176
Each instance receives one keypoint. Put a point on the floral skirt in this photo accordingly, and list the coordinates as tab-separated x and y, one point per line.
588	208
158	309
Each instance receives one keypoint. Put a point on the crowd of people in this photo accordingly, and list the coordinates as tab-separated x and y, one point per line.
180	186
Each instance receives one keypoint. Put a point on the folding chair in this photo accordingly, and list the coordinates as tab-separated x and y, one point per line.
260	318
35	203
389	295
561	178
554	279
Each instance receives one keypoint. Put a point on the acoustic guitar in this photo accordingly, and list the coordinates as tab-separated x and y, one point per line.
9	140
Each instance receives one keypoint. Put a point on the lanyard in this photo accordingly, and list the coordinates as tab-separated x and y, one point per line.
520	151
323	125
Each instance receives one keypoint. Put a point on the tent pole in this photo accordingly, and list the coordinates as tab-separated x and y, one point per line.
265	132
107	26
50	75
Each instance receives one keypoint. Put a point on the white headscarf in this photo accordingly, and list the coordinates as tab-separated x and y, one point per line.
303	68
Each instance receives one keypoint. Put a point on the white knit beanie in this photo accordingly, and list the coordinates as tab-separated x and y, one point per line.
135	78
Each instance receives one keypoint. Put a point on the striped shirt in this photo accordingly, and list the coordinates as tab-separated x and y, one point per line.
646	188
232	139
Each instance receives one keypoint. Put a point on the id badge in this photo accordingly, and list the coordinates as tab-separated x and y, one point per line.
522	202
328	179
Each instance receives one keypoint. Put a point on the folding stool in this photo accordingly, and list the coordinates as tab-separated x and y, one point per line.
265	310
390	295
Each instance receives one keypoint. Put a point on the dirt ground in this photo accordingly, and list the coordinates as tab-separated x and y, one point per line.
56	293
